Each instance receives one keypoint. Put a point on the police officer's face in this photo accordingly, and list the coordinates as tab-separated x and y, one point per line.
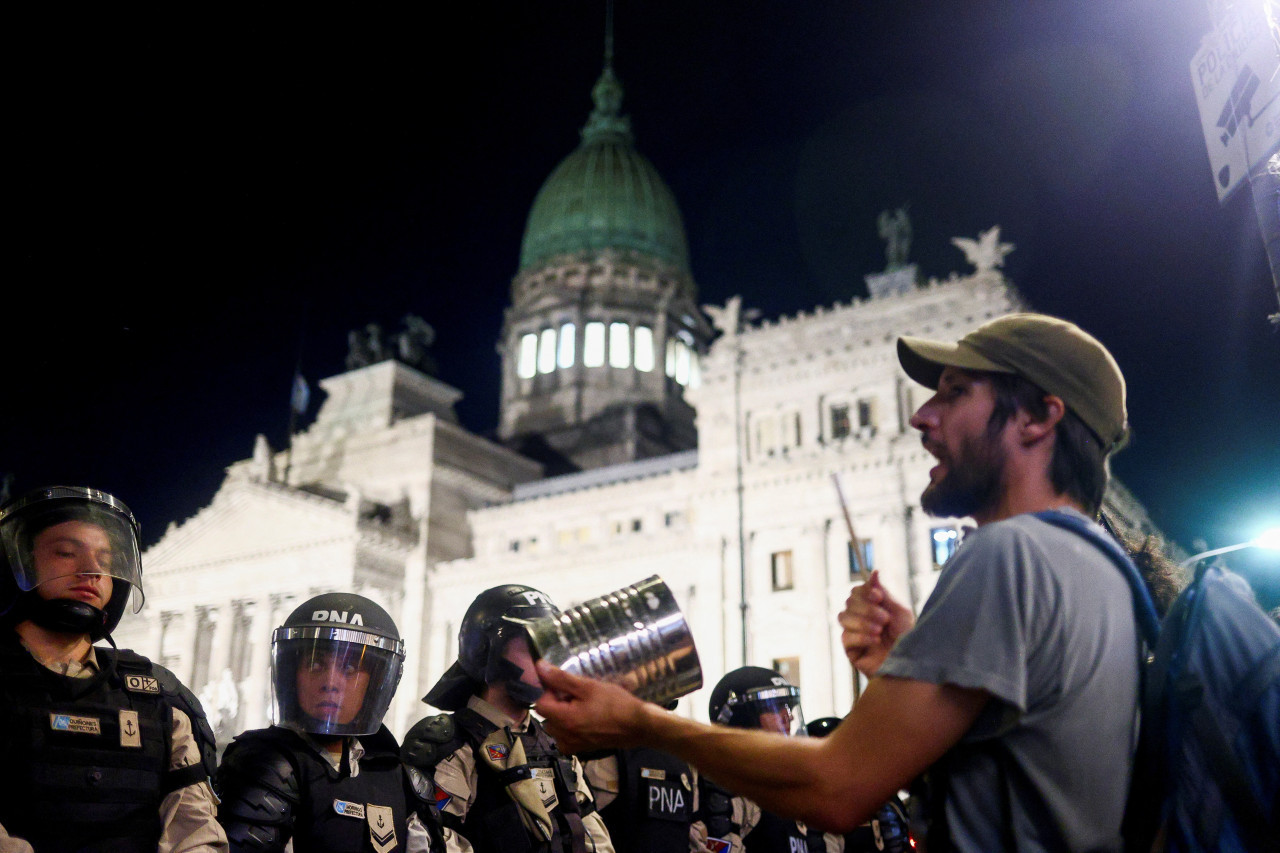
331	685
73	561
517	652
776	720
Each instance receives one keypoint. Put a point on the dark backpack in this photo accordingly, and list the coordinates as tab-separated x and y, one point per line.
1207	772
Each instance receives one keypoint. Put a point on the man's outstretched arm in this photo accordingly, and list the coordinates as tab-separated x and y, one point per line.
896	730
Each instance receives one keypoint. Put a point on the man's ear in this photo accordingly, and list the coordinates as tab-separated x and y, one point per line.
1033	429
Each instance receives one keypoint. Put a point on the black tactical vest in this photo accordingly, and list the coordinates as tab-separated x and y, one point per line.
654	806
775	834
85	759
493	822
334	815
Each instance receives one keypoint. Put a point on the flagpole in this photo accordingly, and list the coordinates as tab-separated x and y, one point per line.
299	395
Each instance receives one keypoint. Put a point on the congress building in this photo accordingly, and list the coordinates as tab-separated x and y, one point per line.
639	433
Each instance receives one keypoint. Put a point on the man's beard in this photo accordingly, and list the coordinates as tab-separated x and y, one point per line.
972	482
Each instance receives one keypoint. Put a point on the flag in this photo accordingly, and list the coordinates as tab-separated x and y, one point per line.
301	394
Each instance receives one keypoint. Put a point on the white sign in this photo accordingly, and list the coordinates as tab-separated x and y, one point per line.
1236	75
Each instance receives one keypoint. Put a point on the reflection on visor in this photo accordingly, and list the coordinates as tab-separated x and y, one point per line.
778	709
332	683
72	553
331	687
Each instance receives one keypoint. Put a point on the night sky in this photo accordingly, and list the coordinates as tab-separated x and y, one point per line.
199	204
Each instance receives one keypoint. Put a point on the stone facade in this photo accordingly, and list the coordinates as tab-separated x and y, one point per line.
387	495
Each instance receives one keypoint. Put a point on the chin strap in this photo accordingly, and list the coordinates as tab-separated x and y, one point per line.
61	615
524	695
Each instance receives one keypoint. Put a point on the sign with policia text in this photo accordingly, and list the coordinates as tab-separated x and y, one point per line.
1236	76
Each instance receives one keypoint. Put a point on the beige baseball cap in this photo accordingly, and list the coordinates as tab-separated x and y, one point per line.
1056	355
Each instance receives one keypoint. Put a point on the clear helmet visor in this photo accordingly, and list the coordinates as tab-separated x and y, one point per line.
778	710
73	550
333	681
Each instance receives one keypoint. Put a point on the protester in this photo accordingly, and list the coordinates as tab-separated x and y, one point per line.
1017	686
503	786
99	746
327	776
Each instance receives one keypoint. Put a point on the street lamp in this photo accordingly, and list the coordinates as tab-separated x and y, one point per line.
1269	539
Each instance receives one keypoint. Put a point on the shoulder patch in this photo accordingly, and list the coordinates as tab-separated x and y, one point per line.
141	684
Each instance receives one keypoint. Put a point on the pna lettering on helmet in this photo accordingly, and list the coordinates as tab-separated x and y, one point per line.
335	616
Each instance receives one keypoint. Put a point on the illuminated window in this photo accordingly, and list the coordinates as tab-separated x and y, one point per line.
619	345
671	357
547	351
866	414
945	541
780	564
683	362
644	348
788	668
593	345
695	372
840	426
527	364
868	556
565	356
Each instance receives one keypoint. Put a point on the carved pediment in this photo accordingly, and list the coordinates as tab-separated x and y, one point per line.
245	519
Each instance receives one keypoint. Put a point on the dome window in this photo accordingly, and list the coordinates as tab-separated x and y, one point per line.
527	365
619	345
547	351
564	358
593	345
644	348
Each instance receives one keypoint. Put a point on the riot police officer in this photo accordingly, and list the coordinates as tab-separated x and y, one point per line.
326	774
646	797
887	831
501	783
752	697
101	748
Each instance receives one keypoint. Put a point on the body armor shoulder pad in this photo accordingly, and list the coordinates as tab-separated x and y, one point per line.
258	784
430	741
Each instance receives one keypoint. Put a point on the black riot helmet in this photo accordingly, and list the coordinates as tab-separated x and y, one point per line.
752	697
822	726
495	617
335	664
58	543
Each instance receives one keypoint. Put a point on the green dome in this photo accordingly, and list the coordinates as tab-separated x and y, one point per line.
604	195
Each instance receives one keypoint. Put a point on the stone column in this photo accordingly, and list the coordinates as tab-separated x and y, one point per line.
184	646
255	689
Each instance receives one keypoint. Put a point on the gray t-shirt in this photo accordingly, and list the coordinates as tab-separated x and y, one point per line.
1043	621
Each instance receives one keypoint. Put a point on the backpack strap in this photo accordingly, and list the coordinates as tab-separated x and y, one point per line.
1144	608
1148	787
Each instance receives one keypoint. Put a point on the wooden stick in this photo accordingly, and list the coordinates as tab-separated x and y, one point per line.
858	557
